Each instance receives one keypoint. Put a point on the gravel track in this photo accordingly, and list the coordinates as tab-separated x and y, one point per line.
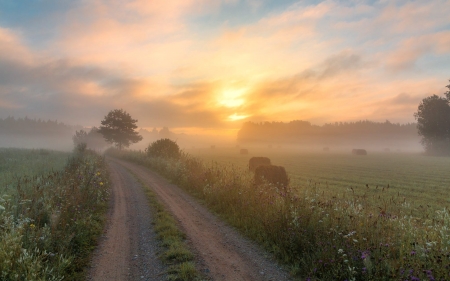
128	249
222	253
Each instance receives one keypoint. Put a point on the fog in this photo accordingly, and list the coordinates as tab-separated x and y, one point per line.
300	136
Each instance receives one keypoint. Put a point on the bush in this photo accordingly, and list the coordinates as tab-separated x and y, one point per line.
273	174
165	148
255	162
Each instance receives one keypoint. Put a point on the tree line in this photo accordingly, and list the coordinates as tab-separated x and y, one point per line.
299	131
32	127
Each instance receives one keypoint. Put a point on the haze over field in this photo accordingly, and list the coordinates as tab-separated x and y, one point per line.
205	67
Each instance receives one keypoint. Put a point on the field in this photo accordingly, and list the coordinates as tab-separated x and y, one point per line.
18	163
329	225
52	209
424	180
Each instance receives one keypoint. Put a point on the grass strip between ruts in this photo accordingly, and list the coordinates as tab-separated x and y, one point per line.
175	252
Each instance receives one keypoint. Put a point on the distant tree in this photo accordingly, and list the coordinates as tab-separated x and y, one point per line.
119	128
433	124
93	139
79	137
165	148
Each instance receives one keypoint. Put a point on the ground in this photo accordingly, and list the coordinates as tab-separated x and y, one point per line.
128	250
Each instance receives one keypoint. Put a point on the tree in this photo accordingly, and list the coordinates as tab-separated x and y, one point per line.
79	137
433	124
93	139
119	128
165	148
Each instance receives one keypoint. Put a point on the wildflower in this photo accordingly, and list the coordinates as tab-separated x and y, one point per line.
413	253
98	173
32	226
365	255
340	251
101	183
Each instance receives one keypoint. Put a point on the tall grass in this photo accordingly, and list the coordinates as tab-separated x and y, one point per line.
50	223
319	233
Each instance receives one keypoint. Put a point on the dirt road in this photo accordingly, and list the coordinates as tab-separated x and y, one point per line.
223	254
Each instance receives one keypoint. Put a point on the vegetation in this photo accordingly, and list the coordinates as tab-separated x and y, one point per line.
176	254
297	132
119	128
32	127
164	148
433	123
50	220
93	139
413	176
17	163
324	233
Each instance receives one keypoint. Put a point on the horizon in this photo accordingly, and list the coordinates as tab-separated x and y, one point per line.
205	68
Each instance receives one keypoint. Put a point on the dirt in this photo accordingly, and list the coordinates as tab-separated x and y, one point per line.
222	253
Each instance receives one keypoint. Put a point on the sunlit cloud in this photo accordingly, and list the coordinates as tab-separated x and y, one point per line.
236	117
201	65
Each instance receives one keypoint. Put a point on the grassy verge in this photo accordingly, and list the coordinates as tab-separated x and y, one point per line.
176	255
319	233
49	225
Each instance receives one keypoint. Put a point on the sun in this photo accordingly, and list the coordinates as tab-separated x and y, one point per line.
232	97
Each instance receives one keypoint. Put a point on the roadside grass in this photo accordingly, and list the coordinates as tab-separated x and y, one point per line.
176	254
50	222
321	233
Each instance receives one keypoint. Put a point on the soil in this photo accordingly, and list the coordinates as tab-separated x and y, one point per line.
128	251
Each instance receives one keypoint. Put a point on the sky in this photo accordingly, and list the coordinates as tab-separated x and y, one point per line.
207	66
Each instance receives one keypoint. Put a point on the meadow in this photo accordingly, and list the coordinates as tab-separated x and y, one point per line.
328	225
52	209
422	179
16	163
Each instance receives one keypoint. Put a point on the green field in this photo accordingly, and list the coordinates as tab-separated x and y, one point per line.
422	179
17	163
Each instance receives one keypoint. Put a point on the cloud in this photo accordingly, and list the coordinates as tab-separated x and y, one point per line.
323	61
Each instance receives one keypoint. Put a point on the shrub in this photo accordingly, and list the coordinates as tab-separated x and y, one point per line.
255	162
165	148
359	152
273	174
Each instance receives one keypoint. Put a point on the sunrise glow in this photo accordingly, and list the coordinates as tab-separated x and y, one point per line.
232	98
201	64
236	117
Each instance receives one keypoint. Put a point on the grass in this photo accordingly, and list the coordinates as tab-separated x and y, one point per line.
16	163
50	220
414	176
325	231
176	254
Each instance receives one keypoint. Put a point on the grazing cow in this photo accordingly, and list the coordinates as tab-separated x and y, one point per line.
273	174
359	152
255	162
